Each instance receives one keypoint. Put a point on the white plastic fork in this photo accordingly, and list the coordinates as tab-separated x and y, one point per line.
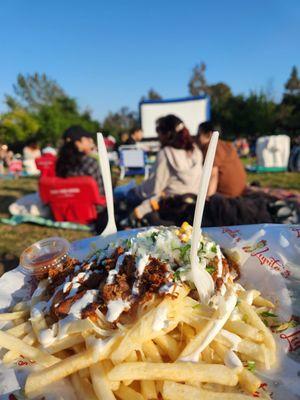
201	278
106	177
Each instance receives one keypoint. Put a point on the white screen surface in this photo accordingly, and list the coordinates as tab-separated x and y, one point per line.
191	110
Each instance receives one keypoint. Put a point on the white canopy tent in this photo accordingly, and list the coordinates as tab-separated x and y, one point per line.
192	110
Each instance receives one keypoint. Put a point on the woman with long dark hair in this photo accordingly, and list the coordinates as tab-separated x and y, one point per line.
177	170
74	157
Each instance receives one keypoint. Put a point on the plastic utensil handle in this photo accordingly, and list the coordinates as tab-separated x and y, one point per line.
204	182
106	176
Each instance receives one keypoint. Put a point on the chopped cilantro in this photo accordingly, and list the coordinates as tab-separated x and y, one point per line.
184	250
201	250
265	321
177	275
154	236
210	269
267	314
251	366
128	243
214	248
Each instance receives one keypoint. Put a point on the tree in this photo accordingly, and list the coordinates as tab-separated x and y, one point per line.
41	99
56	117
220	94
34	91
120	121
197	84
151	95
17	125
289	109
293	84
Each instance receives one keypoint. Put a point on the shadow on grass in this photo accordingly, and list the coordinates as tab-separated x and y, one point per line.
5	202
22	190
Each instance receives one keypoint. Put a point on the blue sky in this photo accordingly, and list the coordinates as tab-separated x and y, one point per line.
109	53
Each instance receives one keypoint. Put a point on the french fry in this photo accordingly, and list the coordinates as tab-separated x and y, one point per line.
100	382
151	351
19	330
188	332
244	330
177	391
168	345
207	355
21	306
262	302
108	366
248	381
248	295
127	393
142	330
83	388
195	347
10	342
65	343
84	373
14	315
67	367
148	390
38	324
179	371
220	349
253	350
19	321
254	320
11	355
132	357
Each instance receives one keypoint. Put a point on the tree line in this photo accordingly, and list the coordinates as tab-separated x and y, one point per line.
40	108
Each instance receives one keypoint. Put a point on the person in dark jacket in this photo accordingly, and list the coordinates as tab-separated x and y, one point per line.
74	157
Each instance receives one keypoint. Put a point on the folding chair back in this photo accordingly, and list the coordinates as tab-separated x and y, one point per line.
72	199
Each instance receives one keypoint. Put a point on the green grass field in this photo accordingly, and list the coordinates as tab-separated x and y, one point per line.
14	239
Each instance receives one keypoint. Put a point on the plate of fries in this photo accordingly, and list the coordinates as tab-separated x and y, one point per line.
125	321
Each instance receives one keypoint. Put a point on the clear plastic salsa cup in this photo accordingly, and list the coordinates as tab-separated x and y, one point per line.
47	253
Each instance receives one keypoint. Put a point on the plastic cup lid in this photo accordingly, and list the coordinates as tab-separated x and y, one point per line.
42	255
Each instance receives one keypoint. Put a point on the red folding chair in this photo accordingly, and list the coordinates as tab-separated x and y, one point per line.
46	164
72	199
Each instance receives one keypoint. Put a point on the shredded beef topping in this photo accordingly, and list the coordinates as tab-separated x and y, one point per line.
58	275
155	275
219	283
90	310
233	267
73	279
61	310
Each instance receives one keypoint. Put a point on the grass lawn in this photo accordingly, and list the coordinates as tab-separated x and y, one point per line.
14	239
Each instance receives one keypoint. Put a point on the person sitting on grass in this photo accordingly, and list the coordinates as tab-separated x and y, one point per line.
74	157
177	170
228	176
135	136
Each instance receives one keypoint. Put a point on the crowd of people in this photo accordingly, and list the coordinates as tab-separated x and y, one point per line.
169	193
16	164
